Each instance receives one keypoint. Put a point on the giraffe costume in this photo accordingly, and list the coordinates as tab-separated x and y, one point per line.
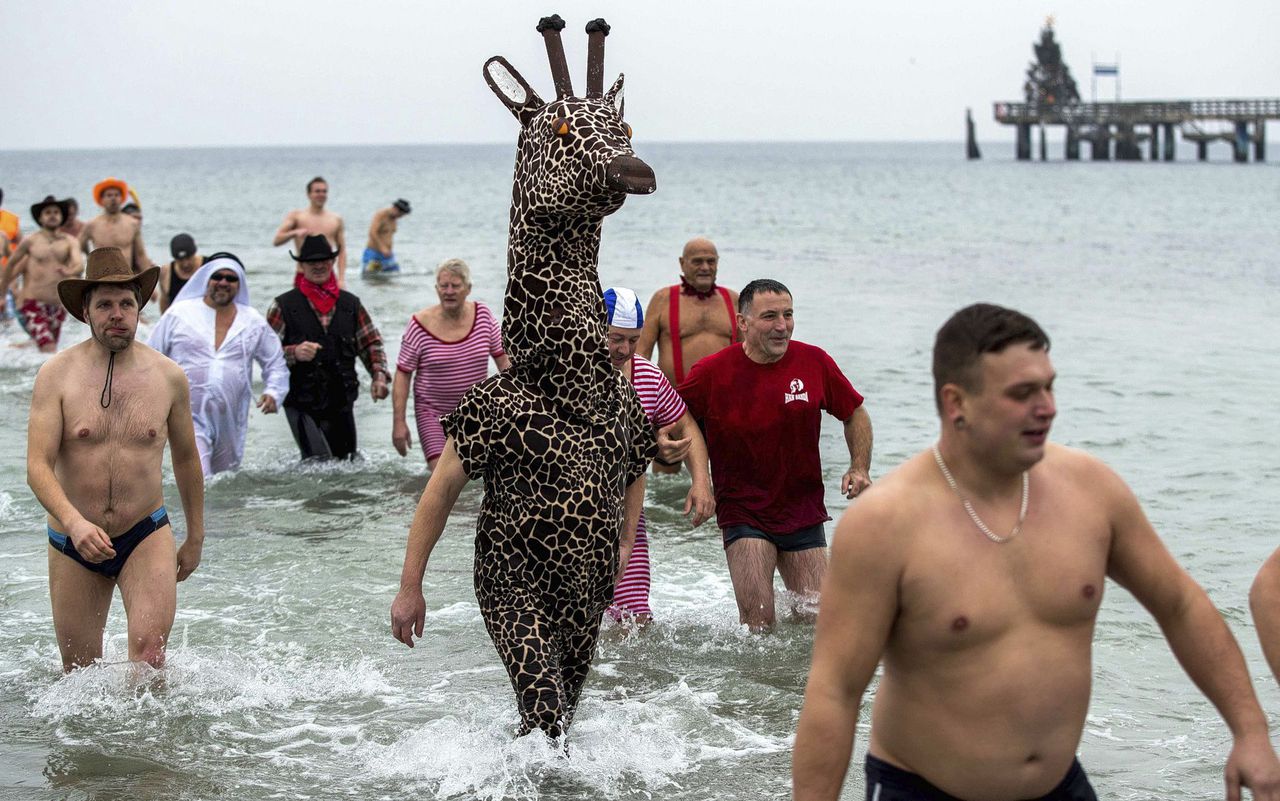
558	437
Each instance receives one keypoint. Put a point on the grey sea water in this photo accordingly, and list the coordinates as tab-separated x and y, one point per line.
1157	282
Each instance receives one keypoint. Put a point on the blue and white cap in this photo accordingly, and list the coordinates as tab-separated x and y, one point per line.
623	307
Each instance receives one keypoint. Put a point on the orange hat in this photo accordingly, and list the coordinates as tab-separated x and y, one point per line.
110	183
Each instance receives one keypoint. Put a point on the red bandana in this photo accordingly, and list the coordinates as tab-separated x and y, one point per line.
687	288
322	296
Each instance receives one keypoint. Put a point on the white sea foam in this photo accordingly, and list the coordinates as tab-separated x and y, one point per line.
613	746
213	683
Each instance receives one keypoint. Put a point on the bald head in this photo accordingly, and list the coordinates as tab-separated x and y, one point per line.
698	243
699	263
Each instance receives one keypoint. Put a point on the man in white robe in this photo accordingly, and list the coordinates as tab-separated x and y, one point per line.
215	335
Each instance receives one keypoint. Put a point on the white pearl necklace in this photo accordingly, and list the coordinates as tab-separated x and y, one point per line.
968	507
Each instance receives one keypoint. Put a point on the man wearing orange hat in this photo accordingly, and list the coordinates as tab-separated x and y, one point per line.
94	463
41	261
114	229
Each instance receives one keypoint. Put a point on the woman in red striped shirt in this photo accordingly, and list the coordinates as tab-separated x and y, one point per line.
665	410
445	349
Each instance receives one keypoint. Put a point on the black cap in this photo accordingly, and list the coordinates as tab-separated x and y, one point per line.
403	205
182	246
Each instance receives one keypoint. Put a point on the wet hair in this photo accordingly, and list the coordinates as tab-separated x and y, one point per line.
72	203
1	195
456	266
973	331
129	207
757	286
314	181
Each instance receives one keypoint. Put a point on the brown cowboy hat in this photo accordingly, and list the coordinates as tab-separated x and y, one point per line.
110	183
106	266
50	201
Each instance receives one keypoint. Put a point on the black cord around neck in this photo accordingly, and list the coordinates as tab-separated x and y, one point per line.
105	399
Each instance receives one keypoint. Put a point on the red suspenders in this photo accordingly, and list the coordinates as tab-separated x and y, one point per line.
677	353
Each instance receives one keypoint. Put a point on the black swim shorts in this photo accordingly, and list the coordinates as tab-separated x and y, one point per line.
887	782
802	540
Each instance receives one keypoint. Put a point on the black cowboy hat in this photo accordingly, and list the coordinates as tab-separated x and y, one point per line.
315	248
403	205
50	201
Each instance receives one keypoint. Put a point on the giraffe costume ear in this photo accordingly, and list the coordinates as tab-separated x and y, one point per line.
614	96
512	89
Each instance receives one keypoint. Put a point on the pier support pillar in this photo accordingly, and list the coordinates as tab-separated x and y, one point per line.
970	140
1202	150
1044	153
1242	142
1073	145
1169	144
1101	144
1155	142
1260	141
1024	141
1127	148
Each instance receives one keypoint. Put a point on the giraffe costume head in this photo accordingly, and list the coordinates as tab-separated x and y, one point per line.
574	166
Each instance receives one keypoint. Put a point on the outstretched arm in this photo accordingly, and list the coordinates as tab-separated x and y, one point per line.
409	610
44	439
652	325
632	507
858	607
287	230
16	267
187	472
75	263
857	437
275	373
1264	601
141	261
1197	634
701	500
86	234
400	436
340	240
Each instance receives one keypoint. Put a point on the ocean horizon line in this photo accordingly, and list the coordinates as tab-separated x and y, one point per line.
454	145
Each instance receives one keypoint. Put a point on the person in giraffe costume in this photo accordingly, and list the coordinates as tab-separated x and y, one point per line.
560	440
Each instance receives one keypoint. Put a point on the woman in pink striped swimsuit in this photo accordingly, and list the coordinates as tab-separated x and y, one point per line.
664	408
446	350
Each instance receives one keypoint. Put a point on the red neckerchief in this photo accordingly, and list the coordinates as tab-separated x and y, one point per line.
687	288
322	296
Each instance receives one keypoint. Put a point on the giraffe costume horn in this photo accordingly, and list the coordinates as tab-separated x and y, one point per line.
597	29
550	28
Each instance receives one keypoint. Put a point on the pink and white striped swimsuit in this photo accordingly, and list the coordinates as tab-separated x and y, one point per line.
444	371
664	407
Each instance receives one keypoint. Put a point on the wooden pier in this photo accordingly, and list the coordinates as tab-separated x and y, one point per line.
1119	130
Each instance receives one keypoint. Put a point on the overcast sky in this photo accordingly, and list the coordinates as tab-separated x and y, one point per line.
86	73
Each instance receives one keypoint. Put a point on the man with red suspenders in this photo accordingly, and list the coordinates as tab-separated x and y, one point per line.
691	320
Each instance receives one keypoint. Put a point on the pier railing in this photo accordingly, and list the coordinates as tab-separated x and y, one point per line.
1143	112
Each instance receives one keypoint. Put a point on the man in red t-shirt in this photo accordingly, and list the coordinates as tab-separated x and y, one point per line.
760	404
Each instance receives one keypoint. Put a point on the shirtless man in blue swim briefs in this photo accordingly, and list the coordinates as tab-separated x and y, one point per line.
379	259
101	412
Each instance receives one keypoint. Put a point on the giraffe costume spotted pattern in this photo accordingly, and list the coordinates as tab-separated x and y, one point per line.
558	437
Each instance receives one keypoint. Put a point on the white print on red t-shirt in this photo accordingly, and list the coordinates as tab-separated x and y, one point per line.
796	393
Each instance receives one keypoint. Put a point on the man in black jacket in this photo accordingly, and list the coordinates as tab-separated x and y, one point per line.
323	329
